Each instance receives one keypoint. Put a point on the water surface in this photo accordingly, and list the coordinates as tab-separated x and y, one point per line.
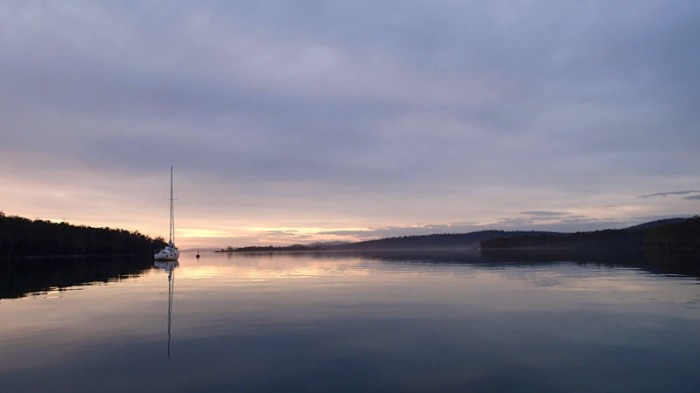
403	322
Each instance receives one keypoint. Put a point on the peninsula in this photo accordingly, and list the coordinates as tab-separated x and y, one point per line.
673	233
24	237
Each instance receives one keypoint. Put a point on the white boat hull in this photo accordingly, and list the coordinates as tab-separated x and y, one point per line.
167	254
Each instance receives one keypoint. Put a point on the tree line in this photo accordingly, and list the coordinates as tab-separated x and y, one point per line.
295	247
682	234
24	237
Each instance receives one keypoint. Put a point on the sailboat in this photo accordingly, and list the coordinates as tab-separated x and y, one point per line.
169	252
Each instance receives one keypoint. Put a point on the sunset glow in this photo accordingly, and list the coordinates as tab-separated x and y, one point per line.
283	131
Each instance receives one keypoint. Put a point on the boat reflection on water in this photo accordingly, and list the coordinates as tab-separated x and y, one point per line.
169	266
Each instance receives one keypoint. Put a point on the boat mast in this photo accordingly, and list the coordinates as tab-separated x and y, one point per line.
172	211
171	295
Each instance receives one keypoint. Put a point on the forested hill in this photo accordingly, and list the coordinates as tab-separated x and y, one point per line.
447	241
24	237
435	242
672	233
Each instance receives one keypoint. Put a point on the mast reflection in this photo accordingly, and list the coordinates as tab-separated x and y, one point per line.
169	266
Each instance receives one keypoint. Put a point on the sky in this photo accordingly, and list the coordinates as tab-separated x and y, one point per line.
301	121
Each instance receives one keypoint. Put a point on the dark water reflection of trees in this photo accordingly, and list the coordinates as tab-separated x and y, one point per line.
24	276
657	261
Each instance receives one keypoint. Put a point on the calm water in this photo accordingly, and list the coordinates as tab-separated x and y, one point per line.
400	322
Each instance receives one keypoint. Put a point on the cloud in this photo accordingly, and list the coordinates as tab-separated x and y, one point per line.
545	214
380	114
670	193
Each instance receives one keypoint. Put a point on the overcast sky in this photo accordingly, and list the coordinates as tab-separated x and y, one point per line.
295	121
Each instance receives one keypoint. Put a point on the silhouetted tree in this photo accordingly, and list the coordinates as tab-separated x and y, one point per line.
21	237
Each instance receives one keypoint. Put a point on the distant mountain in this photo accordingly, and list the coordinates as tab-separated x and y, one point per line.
670	233
651	234
655	224
295	247
680	234
448	241
431	242
325	245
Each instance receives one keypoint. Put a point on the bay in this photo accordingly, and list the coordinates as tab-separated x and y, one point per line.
349	322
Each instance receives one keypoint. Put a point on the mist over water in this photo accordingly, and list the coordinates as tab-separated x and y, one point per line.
386	321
